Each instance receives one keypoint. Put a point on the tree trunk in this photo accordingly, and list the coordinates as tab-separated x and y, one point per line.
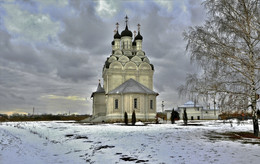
253	105
255	125
255	119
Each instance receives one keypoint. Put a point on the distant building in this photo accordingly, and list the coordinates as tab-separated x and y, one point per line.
127	81
197	112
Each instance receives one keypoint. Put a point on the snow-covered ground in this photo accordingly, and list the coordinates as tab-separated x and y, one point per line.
69	142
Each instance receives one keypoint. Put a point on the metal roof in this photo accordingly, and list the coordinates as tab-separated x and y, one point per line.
132	86
190	104
99	90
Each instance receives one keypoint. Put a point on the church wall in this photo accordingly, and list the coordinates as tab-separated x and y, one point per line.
126	43
111	104
115	81
99	104
115	77
153	98
126	103
145	80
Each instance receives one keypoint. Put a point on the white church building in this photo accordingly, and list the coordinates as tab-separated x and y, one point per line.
197	112
127	81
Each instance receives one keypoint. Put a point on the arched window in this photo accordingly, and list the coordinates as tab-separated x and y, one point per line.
135	103
151	104
116	103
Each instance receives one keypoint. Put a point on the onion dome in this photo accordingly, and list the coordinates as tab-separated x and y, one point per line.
138	36
113	42
126	32
117	35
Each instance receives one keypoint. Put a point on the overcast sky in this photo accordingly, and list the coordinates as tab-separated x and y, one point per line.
52	51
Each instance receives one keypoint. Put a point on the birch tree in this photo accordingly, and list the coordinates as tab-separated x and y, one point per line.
227	49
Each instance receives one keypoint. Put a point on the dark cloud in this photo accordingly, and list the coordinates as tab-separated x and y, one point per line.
72	64
29	72
87	31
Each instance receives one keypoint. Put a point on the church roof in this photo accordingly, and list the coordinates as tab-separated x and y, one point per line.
139	36
126	32
132	86
134	43
99	90
190	104
117	35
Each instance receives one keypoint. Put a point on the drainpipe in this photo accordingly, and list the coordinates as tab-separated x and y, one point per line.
146	107
122	106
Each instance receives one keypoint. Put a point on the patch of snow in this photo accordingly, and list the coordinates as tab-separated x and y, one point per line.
70	142
139	123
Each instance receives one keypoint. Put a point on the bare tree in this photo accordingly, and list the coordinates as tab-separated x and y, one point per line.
227	49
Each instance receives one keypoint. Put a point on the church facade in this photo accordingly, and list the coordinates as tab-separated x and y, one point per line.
127	81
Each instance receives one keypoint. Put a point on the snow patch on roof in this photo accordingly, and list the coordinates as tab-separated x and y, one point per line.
190	104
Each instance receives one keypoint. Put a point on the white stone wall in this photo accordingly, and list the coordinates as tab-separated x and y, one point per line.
193	113
114	77
99	104
126	103
198	111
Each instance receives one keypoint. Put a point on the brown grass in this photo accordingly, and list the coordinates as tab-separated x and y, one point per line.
243	137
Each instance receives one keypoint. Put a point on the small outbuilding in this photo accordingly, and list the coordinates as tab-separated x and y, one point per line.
197	112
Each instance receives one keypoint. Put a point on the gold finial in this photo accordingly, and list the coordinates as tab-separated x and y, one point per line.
135	33
117	25
138	27
115	31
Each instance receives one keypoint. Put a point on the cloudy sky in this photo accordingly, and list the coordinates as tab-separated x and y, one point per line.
52	51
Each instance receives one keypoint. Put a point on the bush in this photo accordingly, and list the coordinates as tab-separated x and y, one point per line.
185	118
133	118
126	119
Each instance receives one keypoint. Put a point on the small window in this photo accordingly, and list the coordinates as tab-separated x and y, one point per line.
116	103
198	117
151	104
191	117
135	103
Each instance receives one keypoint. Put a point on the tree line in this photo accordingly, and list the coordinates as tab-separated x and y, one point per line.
41	117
